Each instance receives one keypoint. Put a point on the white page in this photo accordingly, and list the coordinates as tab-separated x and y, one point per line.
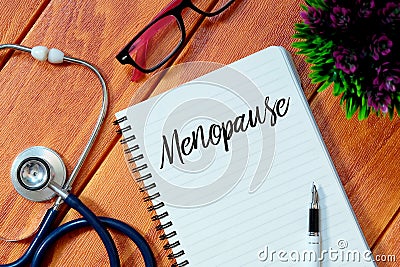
229	203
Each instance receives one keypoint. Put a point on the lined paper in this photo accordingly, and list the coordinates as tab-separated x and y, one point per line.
261	207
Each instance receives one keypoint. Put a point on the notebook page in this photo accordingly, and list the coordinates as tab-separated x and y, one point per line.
243	201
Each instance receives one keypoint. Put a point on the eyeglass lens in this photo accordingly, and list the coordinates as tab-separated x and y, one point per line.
157	43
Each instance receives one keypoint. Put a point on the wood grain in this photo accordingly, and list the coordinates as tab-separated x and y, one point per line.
388	246
17	17
364	154
245	28
64	101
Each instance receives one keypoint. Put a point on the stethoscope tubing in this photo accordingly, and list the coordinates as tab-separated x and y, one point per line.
73	202
45	238
107	222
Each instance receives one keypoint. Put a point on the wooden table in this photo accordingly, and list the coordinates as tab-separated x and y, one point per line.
57	106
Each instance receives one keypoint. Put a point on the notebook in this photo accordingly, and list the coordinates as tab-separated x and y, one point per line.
228	161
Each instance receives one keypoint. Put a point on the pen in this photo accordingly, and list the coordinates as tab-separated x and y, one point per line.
314	238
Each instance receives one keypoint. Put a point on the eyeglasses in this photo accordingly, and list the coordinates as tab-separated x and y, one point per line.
164	35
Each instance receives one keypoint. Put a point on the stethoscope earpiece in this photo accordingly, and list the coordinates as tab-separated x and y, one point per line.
34	169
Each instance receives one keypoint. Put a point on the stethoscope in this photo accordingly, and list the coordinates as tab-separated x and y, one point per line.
38	174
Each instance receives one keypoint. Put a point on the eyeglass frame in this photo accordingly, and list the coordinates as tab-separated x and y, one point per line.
174	9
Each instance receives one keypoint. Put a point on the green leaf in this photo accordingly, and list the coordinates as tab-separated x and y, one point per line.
390	112
316	3
309	2
335	76
317	40
364	110
342	99
300	35
317	67
338	89
300	45
327	45
307	51
301	25
319	79
343	79
357	84
351	107
347	107
321	61
330	60
397	105
324	86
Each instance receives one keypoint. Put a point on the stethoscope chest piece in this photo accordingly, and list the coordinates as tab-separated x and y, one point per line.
34	169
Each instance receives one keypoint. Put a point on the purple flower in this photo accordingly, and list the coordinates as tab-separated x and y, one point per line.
388	78
365	8
390	13
380	101
336	2
381	46
314	18
340	18
345	60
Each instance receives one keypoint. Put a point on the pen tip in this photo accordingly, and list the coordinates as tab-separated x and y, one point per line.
314	186
314	199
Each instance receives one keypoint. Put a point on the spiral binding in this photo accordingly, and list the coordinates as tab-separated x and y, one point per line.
150	197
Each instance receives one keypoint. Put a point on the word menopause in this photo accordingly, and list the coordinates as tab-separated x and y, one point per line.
222	132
